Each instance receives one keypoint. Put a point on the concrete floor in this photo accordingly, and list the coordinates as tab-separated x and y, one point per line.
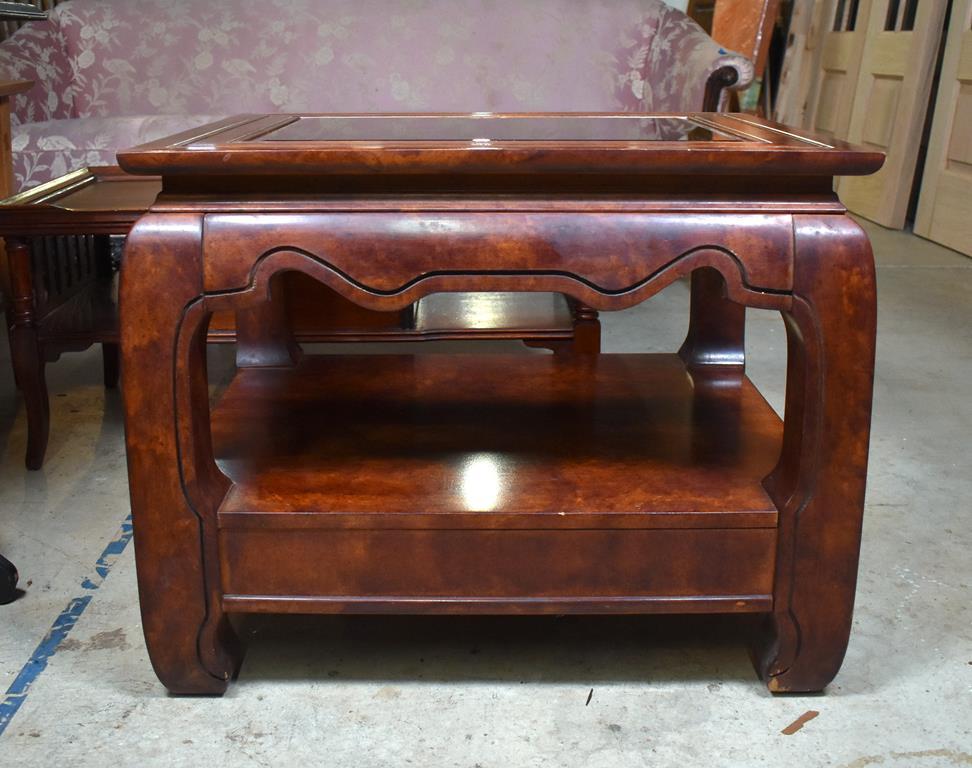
528	692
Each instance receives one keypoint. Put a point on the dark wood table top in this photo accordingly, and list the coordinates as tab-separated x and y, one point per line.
497	144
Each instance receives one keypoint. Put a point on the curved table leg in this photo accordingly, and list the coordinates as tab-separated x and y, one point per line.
174	486
818	484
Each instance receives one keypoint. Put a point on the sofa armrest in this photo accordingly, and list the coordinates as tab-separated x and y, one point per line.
35	52
8	90
686	70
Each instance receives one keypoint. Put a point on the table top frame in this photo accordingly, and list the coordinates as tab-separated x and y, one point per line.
237	146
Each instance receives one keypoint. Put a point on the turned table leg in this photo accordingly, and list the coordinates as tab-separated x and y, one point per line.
26	353
587	329
174	484
818	484
110	352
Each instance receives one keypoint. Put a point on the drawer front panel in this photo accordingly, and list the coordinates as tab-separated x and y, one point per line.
327	570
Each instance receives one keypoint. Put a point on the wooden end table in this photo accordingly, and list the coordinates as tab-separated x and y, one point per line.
61	287
59	281
497	484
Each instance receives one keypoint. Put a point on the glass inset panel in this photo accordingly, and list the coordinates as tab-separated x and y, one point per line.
486	129
910	12
839	16
852	16
891	22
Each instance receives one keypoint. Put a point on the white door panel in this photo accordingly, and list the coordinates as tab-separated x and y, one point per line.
945	203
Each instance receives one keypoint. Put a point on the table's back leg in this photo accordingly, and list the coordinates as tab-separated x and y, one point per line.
716	334
105	269
109	361
173	495
819	482
587	329
263	334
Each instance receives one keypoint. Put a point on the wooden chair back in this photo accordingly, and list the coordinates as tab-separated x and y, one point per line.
746	26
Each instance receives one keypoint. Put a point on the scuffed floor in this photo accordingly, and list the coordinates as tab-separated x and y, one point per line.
377	691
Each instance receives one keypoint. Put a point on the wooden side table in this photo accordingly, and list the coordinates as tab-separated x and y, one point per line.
59	279
484	484
61	290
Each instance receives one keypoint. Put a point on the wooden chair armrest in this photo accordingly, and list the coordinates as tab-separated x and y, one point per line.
722	78
7	89
10	88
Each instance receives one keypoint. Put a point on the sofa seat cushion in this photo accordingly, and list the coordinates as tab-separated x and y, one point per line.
51	148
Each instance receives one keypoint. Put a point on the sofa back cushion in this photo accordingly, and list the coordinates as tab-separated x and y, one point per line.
135	57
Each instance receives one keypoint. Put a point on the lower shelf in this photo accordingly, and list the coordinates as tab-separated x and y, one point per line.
89	316
492	483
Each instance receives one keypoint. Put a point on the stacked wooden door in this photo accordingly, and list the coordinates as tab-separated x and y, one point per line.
832	99
945	203
801	61
890	103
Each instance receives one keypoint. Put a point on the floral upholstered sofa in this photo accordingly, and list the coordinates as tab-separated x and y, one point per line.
114	73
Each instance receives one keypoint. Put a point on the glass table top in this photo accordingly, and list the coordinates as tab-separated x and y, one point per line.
485	129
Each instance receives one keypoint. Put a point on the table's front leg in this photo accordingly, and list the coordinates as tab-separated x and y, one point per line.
819	482
174	485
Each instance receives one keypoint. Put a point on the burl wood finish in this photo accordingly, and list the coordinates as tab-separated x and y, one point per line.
498	485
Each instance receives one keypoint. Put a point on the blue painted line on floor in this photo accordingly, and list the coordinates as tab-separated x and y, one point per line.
112	552
17	692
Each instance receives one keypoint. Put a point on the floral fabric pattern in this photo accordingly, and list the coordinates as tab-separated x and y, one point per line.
37	52
108	72
51	148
